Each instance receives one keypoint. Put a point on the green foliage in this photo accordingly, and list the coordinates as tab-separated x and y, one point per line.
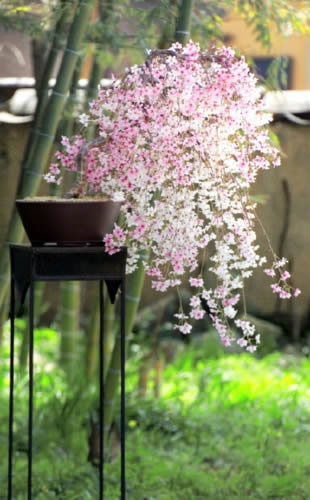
287	16
131	25
36	19
263	16
226	426
277	74
128	28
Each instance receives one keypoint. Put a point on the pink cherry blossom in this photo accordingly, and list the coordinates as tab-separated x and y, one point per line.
184	328
285	275
197	313
242	342
196	282
195	301
270	272
182	139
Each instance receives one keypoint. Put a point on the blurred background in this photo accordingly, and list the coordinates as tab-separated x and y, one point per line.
203	421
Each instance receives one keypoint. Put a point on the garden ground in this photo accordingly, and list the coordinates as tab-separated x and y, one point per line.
235	427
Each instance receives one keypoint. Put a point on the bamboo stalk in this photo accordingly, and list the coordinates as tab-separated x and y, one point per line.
93	329
70	291
42	94
168	30
134	289
24	348
32	176
66	124
105	9
135	282
92	341
94	80
92	89
43	89
93	337
69	323
182	31
4	313
55	106
64	127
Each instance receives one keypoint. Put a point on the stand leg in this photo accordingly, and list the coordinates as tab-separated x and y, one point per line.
101	393
30	407
11	409
123	359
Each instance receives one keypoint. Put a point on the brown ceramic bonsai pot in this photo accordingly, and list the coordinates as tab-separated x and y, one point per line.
67	222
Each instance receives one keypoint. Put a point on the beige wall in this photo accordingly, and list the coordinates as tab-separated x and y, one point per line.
297	47
295	169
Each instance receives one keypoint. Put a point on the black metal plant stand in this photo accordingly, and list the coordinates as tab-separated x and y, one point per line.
52	263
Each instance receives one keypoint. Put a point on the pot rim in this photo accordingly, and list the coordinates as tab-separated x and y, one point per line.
64	201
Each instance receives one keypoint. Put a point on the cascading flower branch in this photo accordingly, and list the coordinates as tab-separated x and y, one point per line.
181	140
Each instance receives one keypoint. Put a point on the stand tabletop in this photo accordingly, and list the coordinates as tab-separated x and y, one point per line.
56	263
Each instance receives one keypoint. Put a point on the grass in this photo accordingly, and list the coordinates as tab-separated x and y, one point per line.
240	430
236	427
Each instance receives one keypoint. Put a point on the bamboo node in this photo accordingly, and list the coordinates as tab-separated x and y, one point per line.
75	52
115	371
44	134
126	337
132	299
58	94
33	173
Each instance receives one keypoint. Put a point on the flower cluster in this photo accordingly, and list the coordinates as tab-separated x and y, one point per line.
282	287
183	138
